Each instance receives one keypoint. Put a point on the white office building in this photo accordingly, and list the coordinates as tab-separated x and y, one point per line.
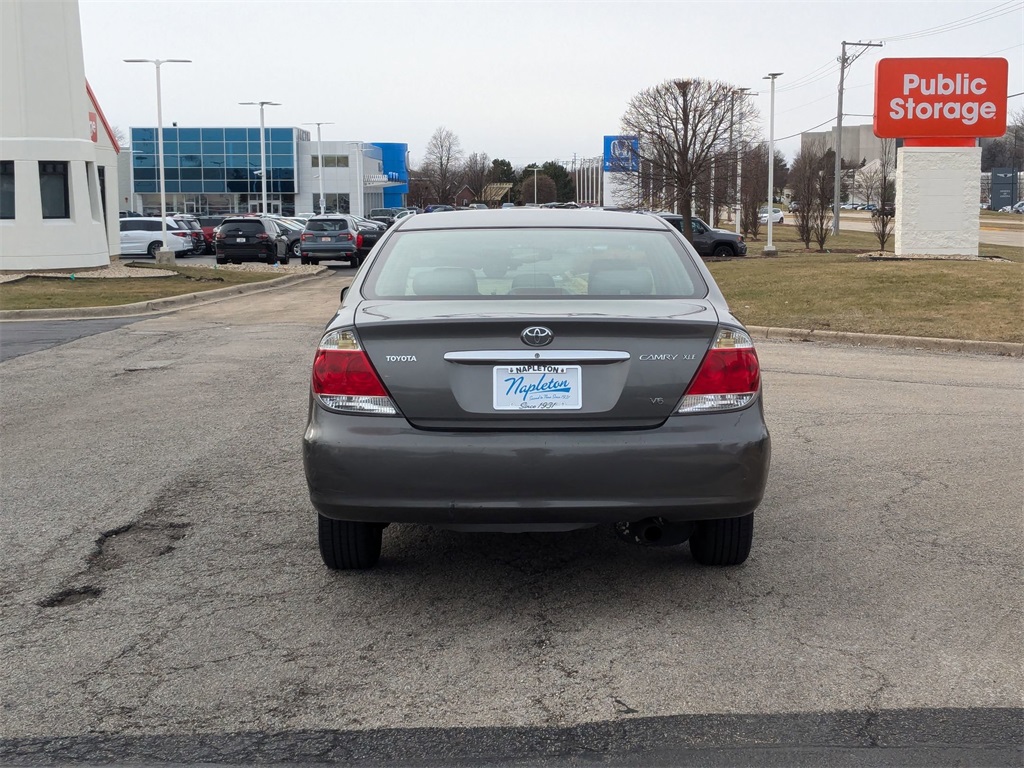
58	158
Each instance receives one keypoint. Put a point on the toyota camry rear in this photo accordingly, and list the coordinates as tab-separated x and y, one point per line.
549	371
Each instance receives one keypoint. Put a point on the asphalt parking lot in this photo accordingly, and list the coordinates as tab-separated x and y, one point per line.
163	599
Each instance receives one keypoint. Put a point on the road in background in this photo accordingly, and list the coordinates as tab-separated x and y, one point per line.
163	596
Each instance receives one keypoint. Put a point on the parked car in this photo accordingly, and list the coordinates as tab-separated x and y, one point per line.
707	240
251	238
143	235
196	230
333	236
535	373
438	208
371	232
209	223
385	216
292	231
794	205
887	209
777	217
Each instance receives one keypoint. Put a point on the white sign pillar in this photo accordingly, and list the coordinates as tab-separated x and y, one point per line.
937	193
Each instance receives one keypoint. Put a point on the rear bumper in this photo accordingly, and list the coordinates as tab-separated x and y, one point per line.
381	469
246	252
328	250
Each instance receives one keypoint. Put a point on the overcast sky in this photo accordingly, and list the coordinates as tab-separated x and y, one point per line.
526	81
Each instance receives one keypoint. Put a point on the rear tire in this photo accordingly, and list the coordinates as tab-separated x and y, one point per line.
303	260
222	260
153	248
723	542
349	545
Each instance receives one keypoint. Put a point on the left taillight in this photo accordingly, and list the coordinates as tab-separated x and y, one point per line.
344	379
728	378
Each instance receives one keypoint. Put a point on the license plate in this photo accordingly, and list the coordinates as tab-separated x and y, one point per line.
239	239
537	388
325	239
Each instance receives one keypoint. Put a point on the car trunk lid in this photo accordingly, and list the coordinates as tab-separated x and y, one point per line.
610	364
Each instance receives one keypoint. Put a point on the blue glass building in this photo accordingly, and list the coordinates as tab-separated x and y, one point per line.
216	170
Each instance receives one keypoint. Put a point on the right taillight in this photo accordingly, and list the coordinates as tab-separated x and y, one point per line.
344	379
728	378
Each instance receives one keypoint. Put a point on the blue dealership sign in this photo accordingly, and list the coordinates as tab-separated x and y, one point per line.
621	154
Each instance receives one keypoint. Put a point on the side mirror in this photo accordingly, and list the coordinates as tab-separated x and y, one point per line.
344	293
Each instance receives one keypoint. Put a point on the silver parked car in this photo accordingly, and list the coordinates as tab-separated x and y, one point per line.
536	373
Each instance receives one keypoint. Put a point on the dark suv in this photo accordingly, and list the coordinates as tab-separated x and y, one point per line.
251	238
707	240
331	236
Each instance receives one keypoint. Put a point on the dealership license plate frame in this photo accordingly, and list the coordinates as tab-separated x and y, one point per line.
537	390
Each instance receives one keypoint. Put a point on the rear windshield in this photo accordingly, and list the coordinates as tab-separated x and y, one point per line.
534	263
326	225
252	227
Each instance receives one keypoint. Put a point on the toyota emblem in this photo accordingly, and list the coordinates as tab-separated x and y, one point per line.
537	336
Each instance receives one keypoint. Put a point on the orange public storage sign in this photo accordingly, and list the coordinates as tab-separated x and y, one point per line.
940	98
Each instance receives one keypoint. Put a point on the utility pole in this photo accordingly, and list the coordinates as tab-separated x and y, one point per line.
844	62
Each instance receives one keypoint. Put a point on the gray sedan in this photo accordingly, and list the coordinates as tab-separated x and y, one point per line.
537	374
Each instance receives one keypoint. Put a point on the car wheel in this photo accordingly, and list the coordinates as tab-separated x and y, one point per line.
284	259
356	261
236	261
222	259
296	249
153	248
723	542
349	545
782	220
303	260
723	251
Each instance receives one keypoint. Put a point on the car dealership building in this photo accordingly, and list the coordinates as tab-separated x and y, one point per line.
213	171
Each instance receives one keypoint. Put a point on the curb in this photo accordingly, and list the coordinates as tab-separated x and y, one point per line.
156	306
1005	348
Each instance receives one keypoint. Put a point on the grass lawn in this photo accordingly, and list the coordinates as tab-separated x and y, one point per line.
836	291
63	292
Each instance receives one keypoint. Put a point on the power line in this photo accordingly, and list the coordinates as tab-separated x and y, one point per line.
975	18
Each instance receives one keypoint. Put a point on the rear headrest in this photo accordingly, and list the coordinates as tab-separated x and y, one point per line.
621	282
445	281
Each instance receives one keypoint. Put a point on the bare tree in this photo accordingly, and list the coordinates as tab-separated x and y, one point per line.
753	189
442	164
803	180
475	170
119	136
821	202
681	125
547	191
884	219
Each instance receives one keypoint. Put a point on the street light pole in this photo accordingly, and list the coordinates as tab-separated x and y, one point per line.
535	169
770	249
160	141
263	147
320	162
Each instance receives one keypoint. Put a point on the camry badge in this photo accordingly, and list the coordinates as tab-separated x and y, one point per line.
537	336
